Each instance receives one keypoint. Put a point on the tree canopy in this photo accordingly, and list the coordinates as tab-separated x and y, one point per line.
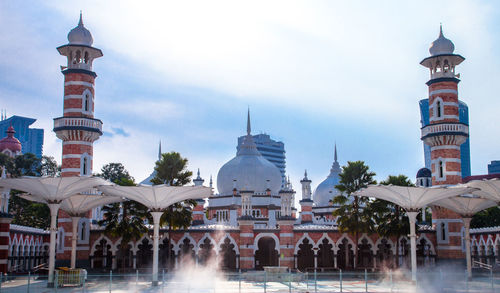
352	217
25	212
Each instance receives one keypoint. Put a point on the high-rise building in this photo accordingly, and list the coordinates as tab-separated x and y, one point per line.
494	167
463	116
31	138
273	151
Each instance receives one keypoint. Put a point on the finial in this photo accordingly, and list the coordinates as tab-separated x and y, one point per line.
440	29
249	129
198	172
80	23
305	173
159	151
335	155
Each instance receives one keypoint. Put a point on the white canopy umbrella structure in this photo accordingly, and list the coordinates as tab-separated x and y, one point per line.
76	206
52	191
412	199
486	188
157	198
466	207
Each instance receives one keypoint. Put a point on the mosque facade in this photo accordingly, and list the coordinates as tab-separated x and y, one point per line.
251	222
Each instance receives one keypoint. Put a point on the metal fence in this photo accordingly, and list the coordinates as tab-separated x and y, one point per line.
428	282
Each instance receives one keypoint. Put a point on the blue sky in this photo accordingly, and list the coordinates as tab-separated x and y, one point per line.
312	73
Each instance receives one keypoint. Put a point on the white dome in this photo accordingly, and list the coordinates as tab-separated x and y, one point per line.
250	170
80	35
441	45
326	190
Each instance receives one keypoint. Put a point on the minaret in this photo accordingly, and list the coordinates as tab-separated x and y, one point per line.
77	128
306	201
198	211
444	134
198	181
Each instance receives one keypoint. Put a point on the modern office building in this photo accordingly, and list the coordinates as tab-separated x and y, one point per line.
273	151
463	114
31	138
494	167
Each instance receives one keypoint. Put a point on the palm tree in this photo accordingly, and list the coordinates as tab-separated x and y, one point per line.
171	169
126	219
390	219
352	217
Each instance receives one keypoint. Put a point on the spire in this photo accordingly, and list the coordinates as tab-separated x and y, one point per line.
198	172
80	23
441	30
305	174
335	155
159	151
249	128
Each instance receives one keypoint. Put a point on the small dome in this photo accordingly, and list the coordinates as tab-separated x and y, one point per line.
250	170
326	190
424	173
441	45
80	35
10	142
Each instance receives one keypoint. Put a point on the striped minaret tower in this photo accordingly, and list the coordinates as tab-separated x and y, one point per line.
444	134
77	128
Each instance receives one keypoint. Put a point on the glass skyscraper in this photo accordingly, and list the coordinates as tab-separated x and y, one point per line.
31	138
273	151
463	116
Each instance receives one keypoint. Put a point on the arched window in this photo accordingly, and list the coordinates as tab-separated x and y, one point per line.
443	231
441	172
86	57
85	165
82	231
438	109
78	57
446	66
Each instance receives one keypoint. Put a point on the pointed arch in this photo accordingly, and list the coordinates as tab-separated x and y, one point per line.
202	240
428	241
370	241
139	242
389	241
344	236
330	241
96	243
301	239
178	244
231	240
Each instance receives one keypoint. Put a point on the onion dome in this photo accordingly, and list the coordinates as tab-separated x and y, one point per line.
326	190
249	170
424	173
80	35
441	46
10	142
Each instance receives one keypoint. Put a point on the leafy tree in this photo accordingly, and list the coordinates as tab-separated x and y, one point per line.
390	219
25	212
114	172
125	219
48	167
352	216
171	169
487	218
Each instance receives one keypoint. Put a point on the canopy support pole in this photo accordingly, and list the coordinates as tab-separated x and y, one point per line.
156	236
466	221
54	208
74	237
413	242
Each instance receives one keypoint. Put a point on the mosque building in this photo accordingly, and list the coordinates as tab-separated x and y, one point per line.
251	222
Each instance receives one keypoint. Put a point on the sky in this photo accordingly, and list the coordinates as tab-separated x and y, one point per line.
313	73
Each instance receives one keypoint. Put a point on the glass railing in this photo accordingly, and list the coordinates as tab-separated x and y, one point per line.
260	281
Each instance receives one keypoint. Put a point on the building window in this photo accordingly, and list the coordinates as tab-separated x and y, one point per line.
85	163
443	231
441	171
438	109
87	101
